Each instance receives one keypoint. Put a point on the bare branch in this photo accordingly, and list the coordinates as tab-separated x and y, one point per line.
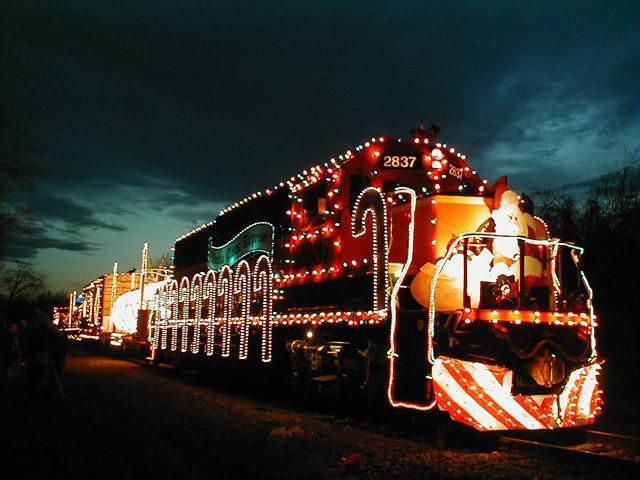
20	281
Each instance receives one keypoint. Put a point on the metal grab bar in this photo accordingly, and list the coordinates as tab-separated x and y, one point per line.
576	252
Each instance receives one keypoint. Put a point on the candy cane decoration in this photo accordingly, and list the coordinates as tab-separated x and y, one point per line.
393	353
224	293
370	202
196	297
242	291
209	299
183	312
173	309
157	315
263	289
164	317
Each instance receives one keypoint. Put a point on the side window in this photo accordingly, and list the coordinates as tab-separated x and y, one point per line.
357	183
315	203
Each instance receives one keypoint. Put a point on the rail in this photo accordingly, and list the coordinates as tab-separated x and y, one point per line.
622	454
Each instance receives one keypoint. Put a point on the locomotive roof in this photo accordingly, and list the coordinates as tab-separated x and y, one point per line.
320	171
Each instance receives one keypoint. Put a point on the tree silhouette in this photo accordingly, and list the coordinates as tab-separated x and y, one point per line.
607	223
19	282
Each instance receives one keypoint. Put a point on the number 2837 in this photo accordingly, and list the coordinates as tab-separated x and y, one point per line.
399	161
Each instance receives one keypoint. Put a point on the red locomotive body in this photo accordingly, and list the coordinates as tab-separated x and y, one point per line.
394	268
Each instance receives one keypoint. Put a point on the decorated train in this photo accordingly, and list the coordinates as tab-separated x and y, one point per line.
395	272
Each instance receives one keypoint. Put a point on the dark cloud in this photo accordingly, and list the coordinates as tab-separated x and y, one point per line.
202	95
176	107
25	246
48	207
195	215
612	176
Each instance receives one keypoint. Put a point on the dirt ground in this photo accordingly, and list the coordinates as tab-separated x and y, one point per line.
120	419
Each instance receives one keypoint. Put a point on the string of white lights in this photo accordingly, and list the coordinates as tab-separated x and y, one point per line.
196	297
393	354
242	291
183	312
263	288
450	252
173	308
209	298
370	202
225	297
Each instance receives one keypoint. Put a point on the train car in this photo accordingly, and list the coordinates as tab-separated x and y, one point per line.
393	270
129	320
61	318
113	308
92	308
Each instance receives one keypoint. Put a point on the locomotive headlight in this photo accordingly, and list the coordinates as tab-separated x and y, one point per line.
437	154
436	159
436	164
309	334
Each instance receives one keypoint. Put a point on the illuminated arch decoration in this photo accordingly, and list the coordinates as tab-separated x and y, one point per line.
158	314
242	298
172	301
217	297
184	298
209	298
163	317
370	202
154	332
393	355
96	304
196	298
225	299
263	289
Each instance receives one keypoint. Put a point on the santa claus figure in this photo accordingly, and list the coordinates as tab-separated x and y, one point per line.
510	220
500	265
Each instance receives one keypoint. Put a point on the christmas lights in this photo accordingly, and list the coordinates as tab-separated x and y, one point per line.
242	292
225	300
328	172
370	202
184	297
197	297
236	295
263	289
393	354
124	314
255	238
165	313
172	297
453	249
209	299
480	396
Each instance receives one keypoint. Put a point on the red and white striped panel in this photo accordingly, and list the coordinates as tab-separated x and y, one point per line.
479	395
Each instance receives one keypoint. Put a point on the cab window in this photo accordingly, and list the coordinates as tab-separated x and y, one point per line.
357	183
315	204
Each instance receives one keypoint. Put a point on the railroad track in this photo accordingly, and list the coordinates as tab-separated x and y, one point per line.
602	450
598	449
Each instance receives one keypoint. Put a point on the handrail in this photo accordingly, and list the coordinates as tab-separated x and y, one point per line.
522	240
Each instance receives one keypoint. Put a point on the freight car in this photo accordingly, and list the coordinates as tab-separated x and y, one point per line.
395	271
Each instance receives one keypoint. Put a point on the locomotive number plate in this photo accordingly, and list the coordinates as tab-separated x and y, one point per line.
405	162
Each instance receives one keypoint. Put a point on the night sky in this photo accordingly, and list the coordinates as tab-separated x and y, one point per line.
149	116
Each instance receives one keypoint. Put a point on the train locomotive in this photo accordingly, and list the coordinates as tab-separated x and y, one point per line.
393	271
